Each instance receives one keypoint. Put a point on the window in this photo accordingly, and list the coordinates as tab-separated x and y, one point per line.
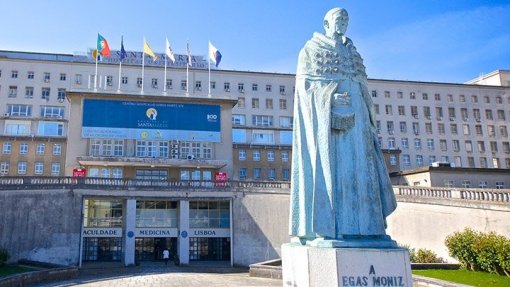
269	104
240	87
257	173
378	126
476	114
456	145
47	77
448	183
57	149
374	94
416	128
226	86
154	83
283	104
466	183
38	168
23	148
440	128
124	80
486	100
453	129
414	111
443	145
500	184
403	127
14	74
483	162
481	146
388	109
254	87
499	100
268	88
474	99
426	112
491	131
7	148
488	114
239	120
213	85
286	122
242	173
242	154
256	155
282	90
376	109
466	129
22	167
503	131
262	137
52	112
255	103
77	79
241	102
271	173
4	168
270	155
412	95
400	95
462	98
449	97
506	147
439	113
406	159
285	156
45	93
19	110
425	96
40	149
184	85
494	146
419	160
262	121
285	174
471	161
17	127
482	184
437	97
61	95
417	143
404	142
391	143
401	111
55	169
432	158
430	144
390	127
13	91
30	75
469	146
501	115
478	130
387	94
29	92
428	128
50	129
393	160
198	85
451	113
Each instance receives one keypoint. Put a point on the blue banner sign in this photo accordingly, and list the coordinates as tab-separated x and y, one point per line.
150	120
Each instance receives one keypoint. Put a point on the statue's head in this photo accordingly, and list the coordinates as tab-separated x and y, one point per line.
335	22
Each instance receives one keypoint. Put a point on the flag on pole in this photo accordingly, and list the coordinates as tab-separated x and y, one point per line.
188	51
102	46
169	52
214	54
123	53
147	50
95	55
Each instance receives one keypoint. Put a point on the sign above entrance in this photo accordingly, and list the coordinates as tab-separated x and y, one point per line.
102	232
209	232
156	232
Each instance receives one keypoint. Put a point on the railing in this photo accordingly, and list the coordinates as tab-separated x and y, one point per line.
34	183
478	194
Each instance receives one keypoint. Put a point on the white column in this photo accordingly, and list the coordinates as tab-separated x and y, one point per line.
183	240
129	232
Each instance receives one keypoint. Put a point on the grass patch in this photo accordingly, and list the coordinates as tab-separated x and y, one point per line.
467	277
12	269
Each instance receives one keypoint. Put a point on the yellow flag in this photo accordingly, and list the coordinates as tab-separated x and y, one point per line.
147	50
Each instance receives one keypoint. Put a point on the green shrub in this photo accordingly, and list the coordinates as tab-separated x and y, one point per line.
4	256
503	255
487	248
461	245
424	255
412	252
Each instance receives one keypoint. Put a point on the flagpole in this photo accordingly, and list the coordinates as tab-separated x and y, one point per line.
143	62
187	68
96	56
164	82
209	64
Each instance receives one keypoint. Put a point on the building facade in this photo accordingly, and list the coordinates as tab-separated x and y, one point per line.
419	123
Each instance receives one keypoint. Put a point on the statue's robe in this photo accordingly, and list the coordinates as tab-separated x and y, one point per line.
340	184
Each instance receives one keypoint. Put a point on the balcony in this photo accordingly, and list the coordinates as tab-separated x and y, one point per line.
152	162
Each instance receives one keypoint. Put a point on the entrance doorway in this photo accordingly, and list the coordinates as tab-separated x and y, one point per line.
151	249
209	249
102	248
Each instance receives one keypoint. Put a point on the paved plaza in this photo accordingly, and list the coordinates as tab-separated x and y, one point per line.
157	274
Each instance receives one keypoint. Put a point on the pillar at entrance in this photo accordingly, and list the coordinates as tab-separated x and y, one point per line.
129	232
183	239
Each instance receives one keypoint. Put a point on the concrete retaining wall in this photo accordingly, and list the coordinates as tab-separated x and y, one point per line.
41	225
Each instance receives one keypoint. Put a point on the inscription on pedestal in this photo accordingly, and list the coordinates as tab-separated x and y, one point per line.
372	279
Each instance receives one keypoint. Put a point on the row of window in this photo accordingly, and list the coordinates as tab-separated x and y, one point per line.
466	129
40	149
483	162
31	75
29	93
261	121
284	155
22	168
255	103
14	127
261	136
26	111
443	145
466	183
437	97
151	148
464	112
257	174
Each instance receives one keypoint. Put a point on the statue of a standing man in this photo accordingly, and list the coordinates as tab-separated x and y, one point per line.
340	189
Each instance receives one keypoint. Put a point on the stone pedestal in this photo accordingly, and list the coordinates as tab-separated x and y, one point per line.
306	266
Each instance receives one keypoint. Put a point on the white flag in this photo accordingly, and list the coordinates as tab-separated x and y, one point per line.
189	54
169	52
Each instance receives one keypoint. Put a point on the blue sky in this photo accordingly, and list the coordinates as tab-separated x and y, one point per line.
424	40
